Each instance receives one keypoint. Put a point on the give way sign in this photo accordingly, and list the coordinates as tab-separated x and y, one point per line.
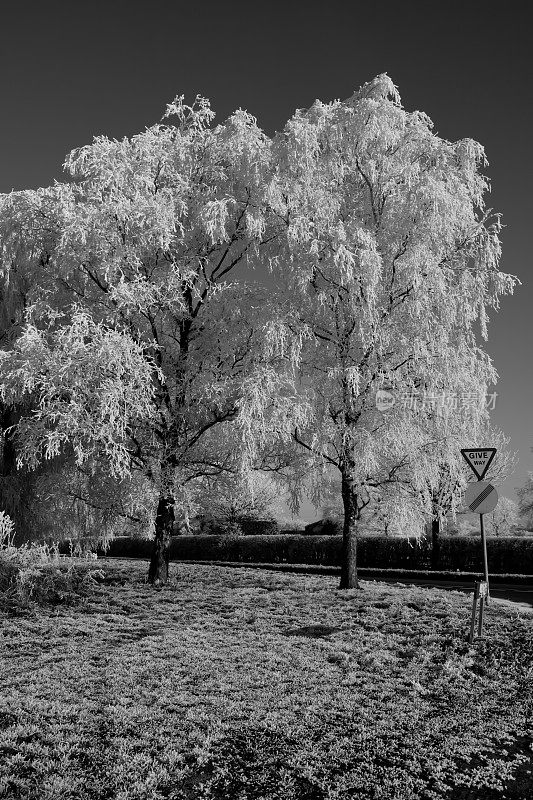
479	459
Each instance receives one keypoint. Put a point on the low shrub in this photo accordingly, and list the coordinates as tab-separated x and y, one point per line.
258	527
238	526
324	527
37	573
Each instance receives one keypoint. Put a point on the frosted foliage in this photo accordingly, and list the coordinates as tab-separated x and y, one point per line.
525	502
215	216
264	408
7	530
90	384
89	503
237	496
504	517
198	116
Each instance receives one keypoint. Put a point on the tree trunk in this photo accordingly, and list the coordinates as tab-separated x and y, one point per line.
435	543
165	518
8	464
349	538
13	494
164	524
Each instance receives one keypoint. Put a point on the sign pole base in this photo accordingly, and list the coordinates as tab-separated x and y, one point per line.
481	594
474	609
480	621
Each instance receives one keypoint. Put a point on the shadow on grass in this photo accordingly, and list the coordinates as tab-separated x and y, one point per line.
313	631
250	762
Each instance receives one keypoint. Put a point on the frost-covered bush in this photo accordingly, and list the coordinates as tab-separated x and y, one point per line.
37	573
7	530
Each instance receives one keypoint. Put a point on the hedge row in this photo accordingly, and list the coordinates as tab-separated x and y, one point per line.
299	549
509	555
512	554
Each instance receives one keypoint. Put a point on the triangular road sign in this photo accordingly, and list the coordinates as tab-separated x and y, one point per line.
479	459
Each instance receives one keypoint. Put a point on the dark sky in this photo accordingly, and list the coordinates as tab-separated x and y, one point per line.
72	70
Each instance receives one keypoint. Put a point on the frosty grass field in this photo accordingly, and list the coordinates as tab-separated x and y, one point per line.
239	683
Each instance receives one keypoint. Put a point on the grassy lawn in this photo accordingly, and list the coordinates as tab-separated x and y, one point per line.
239	683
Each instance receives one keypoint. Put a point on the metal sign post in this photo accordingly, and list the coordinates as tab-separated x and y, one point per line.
481	593
480	497
484	543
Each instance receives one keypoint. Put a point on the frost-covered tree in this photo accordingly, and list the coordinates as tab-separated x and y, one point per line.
525	502
504	517
388	261
466	524
136	343
232	499
381	516
498	523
